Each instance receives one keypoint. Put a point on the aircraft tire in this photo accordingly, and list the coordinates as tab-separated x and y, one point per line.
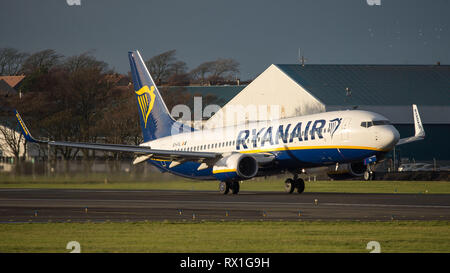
289	185
368	175
235	187
224	187
300	185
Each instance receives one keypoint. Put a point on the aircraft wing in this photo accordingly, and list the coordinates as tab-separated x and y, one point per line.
144	152
419	132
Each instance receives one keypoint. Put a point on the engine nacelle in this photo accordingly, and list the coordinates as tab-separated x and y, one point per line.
346	171
236	167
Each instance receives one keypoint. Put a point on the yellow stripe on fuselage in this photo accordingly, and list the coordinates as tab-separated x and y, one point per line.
224	171
310	148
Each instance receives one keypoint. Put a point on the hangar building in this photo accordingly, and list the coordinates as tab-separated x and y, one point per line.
386	89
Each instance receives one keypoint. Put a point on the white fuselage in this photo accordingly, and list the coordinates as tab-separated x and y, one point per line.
351	129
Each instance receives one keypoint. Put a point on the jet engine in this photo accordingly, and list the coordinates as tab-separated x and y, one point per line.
235	167
347	171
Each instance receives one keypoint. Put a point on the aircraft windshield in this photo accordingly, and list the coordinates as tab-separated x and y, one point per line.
367	124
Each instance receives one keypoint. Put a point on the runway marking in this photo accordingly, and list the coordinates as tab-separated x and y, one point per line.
178	202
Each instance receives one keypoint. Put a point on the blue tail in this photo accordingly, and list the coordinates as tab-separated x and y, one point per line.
155	119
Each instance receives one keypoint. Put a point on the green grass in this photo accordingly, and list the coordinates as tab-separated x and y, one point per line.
123	182
301	236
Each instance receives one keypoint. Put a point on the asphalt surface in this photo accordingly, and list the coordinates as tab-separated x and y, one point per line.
64	205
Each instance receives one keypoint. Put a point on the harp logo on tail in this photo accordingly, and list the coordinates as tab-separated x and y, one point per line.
146	99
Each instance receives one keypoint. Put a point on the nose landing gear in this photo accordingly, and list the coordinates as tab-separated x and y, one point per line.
369	174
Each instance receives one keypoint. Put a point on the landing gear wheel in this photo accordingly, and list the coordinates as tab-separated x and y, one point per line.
368	175
235	187
224	187
289	185
300	185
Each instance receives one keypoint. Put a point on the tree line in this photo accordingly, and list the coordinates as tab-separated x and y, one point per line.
81	99
166	68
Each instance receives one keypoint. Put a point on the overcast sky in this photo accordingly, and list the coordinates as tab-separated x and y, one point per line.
256	33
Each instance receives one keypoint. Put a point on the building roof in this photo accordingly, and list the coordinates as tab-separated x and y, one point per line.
224	93
373	84
5	88
12	80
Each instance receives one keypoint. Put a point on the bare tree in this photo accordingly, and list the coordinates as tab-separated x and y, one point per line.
224	69
215	71
83	61
37	65
11	61
201	71
178	74
160	65
13	141
41	61
178	67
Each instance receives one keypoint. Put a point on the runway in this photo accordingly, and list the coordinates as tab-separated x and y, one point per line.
65	205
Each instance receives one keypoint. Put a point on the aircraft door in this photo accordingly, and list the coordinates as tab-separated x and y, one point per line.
345	134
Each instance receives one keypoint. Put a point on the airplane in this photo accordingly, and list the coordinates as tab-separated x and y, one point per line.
354	139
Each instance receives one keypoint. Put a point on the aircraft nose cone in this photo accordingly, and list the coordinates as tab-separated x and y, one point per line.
391	137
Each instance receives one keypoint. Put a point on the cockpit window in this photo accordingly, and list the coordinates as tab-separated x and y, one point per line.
381	122
367	124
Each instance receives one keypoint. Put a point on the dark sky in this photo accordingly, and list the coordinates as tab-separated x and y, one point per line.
256	33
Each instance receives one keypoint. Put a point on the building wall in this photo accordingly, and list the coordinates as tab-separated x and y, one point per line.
275	87
436	144
5	150
272	95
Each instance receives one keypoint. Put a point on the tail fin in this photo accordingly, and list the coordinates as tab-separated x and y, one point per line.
155	118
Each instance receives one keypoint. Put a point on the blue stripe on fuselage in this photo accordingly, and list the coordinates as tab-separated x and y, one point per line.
286	159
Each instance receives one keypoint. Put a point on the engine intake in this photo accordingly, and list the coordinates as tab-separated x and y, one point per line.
236	166
346	171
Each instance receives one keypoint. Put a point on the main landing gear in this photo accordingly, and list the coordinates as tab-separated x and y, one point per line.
226	186
290	185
